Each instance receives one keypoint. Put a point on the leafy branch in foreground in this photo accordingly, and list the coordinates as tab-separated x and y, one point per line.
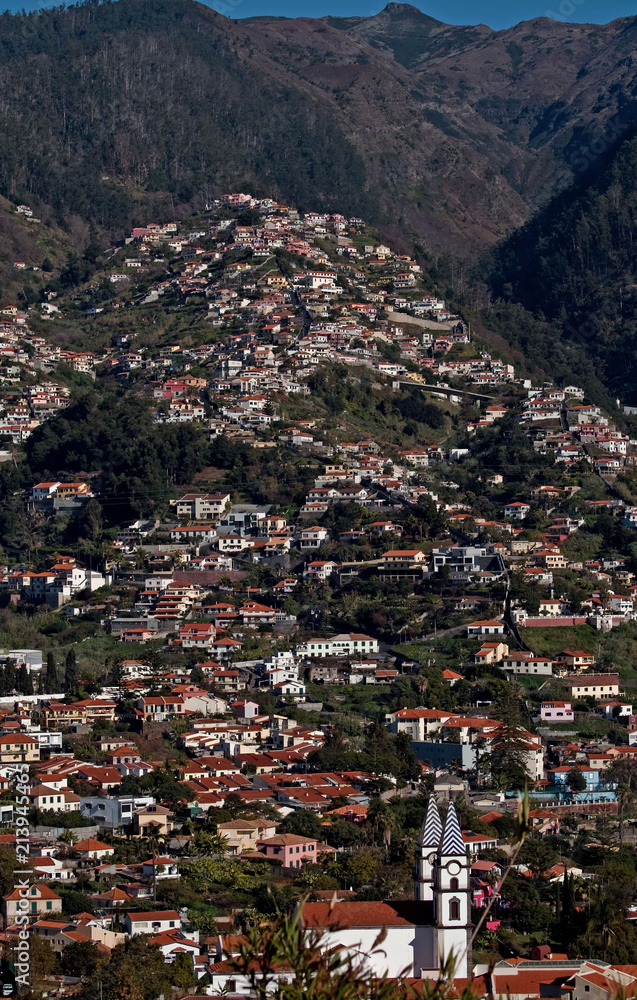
282	959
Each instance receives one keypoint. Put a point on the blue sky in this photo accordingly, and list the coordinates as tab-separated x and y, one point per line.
495	13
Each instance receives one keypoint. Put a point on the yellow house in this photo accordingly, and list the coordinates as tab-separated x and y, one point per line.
152	819
491	652
40	901
244	835
16	748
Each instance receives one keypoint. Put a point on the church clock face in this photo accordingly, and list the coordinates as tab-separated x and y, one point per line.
453	868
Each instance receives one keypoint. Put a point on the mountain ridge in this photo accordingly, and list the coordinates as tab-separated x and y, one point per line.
369	118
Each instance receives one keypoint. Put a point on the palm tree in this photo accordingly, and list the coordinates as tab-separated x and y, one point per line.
141	557
220	843
154	839
625	796
382	819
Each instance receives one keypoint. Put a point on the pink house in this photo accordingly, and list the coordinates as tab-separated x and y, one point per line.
556	711
197	635
290	849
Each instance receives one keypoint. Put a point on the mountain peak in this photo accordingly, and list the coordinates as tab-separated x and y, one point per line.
401	8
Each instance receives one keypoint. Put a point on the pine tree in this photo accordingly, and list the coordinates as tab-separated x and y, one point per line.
510	746
51	682
70	671
23	681
9	678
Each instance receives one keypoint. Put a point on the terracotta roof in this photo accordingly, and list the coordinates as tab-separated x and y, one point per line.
44	893
93	845
288	840
366	914
154	915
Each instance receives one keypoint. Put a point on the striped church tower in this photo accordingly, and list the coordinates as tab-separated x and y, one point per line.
451	893
426	853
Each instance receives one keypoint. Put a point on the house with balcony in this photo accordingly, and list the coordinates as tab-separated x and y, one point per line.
159	708
344	644
196	635
40	901
244	834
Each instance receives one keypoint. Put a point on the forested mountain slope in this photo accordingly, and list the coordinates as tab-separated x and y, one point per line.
111	111
575	266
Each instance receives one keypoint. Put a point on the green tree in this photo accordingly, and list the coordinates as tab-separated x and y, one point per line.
51	682
80	958
204	842
576	780
8	862
182	972
70	672
304	823
510	746
43	962
135	971
356	869
24	680
382	819
204	921
538	854
90	521
527	912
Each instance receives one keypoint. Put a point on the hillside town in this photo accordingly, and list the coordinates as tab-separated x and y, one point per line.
373	661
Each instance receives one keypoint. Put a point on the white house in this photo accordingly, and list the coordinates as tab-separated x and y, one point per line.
490	627
152	923
344	644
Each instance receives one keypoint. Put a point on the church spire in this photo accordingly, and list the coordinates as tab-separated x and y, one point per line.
430	835
431	831
452	842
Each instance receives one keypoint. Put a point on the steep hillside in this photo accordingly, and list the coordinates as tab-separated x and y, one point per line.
38	246
575	266
113	111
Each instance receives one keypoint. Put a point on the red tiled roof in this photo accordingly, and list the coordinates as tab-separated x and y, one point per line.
353	914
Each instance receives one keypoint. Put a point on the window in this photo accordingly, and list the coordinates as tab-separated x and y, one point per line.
453	884
454	909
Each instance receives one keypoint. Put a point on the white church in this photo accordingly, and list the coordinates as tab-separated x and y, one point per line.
419	934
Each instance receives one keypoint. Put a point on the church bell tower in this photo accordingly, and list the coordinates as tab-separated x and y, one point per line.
451	894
